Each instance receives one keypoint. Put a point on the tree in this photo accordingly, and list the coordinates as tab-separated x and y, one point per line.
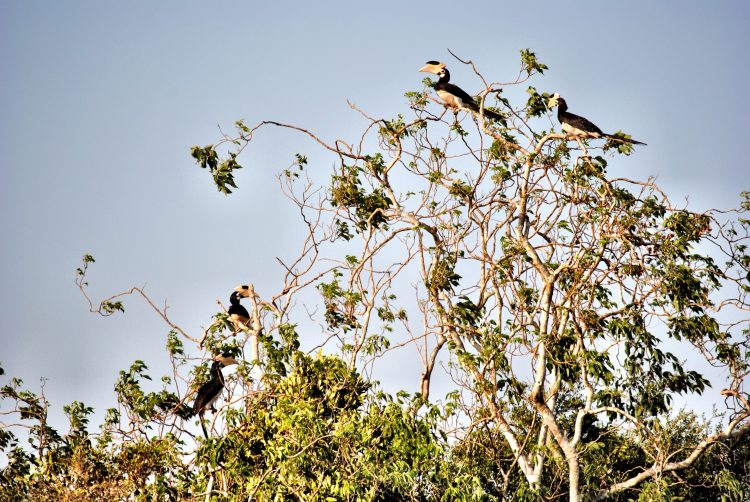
557	294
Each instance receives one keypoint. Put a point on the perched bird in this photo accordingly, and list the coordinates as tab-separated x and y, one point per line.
579	126
453	95
238	314
211	390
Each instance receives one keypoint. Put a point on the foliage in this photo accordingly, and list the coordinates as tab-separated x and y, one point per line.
567	310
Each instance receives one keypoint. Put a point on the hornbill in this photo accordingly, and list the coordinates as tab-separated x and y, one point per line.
579	126
237	313
453	95
211	390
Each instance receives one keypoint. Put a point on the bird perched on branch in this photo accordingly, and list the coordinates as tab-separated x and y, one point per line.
453	96
211	390
238	314
579	126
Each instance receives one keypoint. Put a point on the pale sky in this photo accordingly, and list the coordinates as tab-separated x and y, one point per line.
101	101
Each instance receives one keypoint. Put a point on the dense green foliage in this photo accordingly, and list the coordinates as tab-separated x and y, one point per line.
316	434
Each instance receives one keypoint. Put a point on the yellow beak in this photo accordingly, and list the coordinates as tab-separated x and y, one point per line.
243	290
226	361
432	68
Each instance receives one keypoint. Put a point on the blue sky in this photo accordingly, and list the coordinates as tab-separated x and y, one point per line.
101	102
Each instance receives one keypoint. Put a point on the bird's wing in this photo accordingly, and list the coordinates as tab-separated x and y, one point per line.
238	310
464	96
207	394
582	124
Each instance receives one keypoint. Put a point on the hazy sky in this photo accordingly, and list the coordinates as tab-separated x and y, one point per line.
100	103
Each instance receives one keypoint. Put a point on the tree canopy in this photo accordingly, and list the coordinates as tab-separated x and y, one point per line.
567	306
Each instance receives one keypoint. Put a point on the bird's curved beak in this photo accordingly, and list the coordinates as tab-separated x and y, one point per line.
432	68
243	290
552	101
225	360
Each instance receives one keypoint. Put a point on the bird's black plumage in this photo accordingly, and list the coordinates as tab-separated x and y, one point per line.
573	121
453	95
211	390
575	124
237	313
